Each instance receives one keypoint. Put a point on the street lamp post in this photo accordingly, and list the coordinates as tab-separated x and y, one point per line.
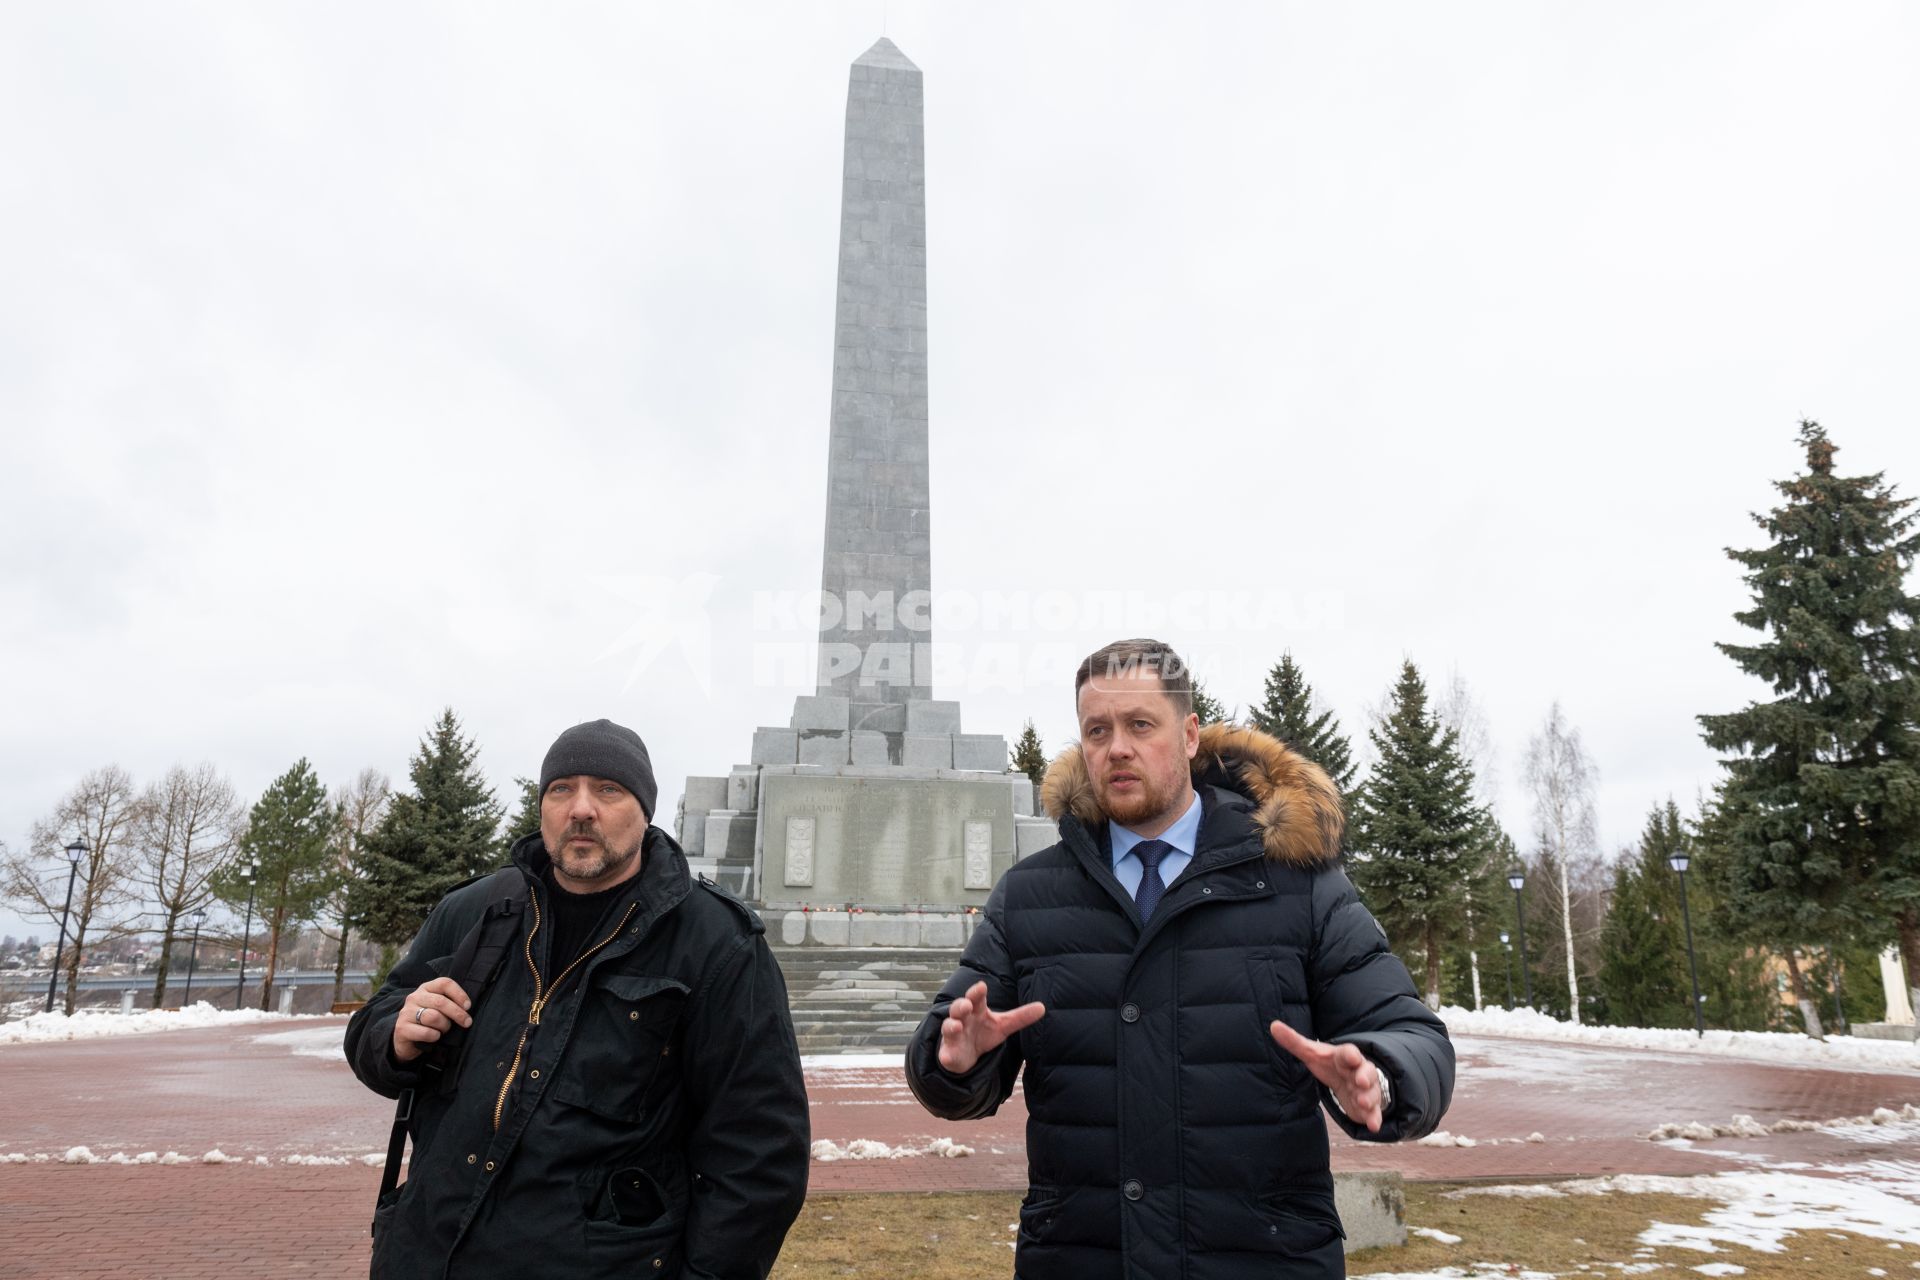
199	918
1518	881
1506	953
251	875
1679	863
75	851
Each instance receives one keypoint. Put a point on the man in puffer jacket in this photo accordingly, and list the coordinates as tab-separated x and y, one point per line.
1186	976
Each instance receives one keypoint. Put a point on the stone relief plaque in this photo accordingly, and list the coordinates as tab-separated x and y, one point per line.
800	852
977	845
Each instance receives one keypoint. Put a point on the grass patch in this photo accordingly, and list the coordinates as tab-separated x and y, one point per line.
965	1236
1585	1235
960	1235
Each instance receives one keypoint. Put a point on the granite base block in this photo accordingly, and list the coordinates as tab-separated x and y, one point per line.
927	751
986	752
825	748
775	746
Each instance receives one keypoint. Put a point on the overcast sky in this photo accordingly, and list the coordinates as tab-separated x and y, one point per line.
362	360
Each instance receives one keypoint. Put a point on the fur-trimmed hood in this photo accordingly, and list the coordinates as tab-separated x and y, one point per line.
1296	806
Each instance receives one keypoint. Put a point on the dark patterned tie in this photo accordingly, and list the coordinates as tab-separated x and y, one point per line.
1147	897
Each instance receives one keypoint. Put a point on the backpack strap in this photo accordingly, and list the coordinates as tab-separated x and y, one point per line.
476	963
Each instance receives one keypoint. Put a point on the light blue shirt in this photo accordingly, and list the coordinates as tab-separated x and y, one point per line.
1183	835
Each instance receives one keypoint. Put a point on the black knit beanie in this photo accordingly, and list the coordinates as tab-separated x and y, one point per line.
603	749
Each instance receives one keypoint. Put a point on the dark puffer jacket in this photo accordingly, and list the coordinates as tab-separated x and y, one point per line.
1167	1134
653	1122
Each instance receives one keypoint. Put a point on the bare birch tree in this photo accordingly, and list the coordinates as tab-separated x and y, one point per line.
358	808
1460	711
102	810
1562	777
189	826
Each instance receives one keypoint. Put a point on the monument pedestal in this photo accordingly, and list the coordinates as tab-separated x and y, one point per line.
855	837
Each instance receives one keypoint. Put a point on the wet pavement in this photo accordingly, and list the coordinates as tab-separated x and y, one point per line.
273	1097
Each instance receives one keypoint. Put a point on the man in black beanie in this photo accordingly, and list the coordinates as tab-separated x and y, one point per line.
625	1097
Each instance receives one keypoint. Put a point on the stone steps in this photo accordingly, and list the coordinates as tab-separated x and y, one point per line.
860	1000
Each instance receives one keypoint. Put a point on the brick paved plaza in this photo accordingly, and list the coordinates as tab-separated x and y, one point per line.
266	1091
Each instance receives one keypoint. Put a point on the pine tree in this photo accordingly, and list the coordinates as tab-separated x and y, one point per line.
526	819
289	834
1287	712
1206	706
430	840
1416	828
1029	757
1643	949
1822	834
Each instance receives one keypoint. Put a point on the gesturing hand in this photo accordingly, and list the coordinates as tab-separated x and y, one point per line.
1354	1080
430	1010
972	1029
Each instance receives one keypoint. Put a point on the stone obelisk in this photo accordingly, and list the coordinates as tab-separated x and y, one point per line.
876	578
871	819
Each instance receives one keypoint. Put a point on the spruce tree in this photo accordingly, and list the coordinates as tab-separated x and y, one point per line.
1822	834
290	834
526	819
1285	710
1206	706
429	840
1029	757
1416	829
1643	948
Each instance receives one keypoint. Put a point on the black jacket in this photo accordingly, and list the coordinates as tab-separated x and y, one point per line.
652	1123
1167	1134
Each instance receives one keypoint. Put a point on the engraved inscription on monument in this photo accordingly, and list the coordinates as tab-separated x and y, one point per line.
800	851
979	852
901	841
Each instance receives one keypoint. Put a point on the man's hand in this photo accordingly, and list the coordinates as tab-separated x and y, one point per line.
1354	1080
972	1029
431	1009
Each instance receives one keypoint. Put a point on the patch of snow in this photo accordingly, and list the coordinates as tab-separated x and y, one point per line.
216	1156
827	1151
1719	1269
853	1061
1892	1126
89	1024
1845	1051
1441	1138
316	1160
309	1042
1432	1233
79	1155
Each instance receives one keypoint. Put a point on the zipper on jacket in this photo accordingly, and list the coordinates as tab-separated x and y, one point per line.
541	994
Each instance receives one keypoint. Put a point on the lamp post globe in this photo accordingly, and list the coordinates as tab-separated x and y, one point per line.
1506	954
1679	863
251	874
199	917
76	852
1517	880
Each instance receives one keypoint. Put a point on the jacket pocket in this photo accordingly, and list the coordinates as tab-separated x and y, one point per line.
1035	984
1270	1004
624	1030
1037	1212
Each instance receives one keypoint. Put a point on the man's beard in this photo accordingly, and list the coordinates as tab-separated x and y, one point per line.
594	862
1145	804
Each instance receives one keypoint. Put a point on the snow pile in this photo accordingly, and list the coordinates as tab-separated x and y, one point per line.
1441	1138
1528	1024
317	1160
1758	1210
1748	1127
88	1024
1433	1233
309	1042
827	1151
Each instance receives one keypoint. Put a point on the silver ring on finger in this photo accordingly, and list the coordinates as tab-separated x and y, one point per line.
419	1012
